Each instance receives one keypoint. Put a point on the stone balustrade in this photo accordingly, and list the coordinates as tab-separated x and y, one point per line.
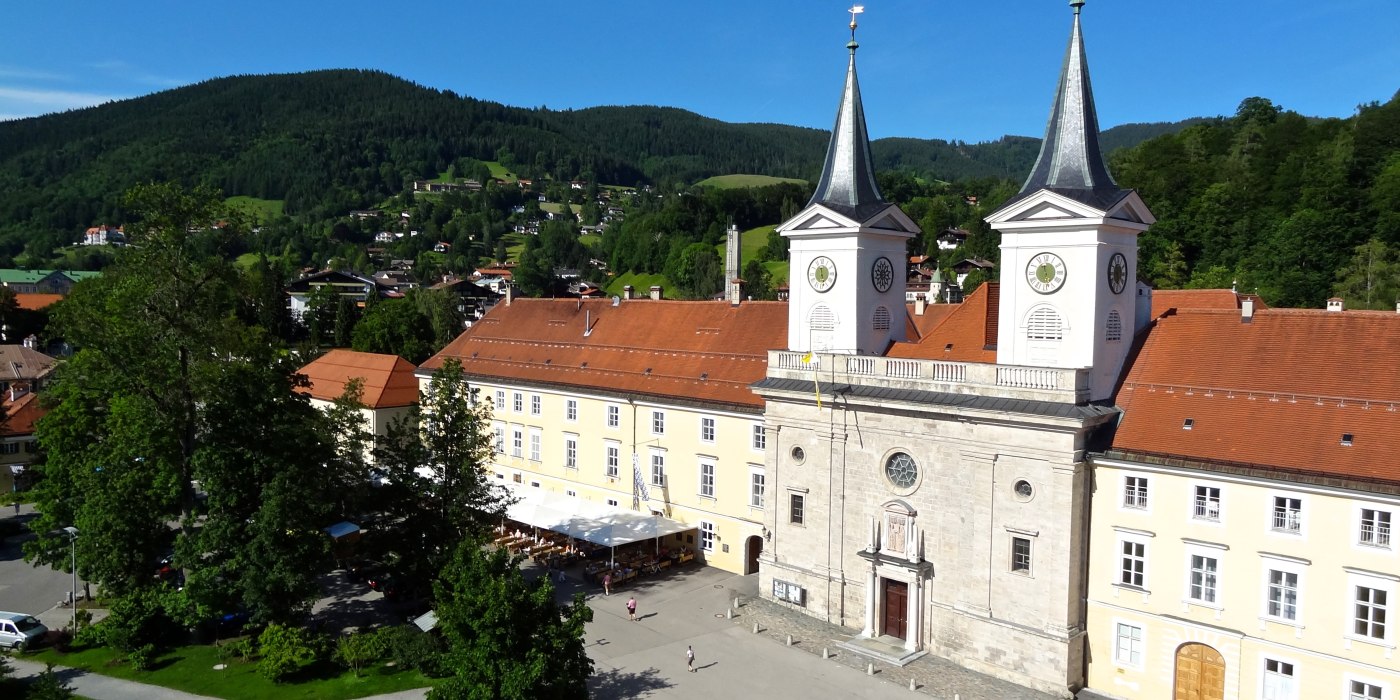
984	379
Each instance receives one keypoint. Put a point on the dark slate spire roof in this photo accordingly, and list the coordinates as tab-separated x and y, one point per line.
848	177
1070	161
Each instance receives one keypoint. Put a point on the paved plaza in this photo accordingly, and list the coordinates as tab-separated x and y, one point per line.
686	606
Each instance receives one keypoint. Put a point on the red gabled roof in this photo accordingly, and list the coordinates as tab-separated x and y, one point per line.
1277	392
34	302
689	350
21	415
388	380
967	334
919	326
1163	299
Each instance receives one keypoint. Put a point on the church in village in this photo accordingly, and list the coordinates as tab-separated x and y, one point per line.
1067	481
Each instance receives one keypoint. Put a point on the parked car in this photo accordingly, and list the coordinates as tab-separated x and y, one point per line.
20	631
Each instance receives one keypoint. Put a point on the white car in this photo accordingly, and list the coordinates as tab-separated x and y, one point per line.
18	631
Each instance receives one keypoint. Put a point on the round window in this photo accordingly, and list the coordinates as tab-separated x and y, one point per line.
901	470
798	455
1024	491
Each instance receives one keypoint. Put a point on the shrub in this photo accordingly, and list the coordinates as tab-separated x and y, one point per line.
285	651
48	686
408	647
142	657
356	650
137	619
245	648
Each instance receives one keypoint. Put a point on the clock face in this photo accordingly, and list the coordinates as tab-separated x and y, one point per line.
1117	273
1046	273
821	274
882	274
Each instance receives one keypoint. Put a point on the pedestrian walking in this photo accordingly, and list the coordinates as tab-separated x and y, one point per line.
607	583
632	608
689	659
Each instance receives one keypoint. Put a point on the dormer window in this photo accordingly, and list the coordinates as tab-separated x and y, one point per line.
1346	439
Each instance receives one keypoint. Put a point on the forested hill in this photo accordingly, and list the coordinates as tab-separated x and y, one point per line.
327	142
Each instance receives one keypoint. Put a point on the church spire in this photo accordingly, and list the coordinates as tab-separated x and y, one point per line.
848	184
1070	161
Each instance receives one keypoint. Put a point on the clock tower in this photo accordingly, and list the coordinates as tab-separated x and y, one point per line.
847	253
1069	245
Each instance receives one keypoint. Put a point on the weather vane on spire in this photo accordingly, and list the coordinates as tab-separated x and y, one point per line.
855	10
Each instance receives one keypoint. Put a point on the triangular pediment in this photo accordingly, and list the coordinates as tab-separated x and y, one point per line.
893	219
1044	205
817	217
1132	208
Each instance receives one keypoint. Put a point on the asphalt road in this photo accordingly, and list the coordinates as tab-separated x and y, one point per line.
25	588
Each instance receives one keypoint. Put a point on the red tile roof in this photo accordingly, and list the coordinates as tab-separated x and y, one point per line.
919	326
970	328
691	350
34	302
388	380
1278	392
21	414
1163	299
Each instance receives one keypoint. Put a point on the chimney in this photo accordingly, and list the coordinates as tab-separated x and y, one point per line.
656	292
510	293
1334	304
627	291
732	290
920	301
1397	308
1247	310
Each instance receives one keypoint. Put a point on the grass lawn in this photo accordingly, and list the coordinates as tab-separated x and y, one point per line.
191	669
262	210
641	285
556	207
246	260
728	182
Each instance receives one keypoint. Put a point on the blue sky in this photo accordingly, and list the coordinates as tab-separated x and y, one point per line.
929	69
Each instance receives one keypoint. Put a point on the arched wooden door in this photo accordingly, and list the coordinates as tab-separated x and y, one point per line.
1200	673
752	548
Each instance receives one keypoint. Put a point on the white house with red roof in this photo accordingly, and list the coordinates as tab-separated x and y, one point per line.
388	385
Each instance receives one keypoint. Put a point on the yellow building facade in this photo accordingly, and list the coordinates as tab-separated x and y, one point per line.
642	405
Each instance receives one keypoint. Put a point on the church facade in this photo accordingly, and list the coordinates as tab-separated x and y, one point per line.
939	505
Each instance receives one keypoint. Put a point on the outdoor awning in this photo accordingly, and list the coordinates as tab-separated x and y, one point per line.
341	529
591	522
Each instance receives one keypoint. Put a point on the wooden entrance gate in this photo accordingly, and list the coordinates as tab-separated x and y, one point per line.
1200	673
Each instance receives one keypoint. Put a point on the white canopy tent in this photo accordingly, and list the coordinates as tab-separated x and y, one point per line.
608	526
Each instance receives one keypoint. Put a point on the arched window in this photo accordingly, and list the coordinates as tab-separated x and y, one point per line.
822	318
1044	324
882	318
1113	331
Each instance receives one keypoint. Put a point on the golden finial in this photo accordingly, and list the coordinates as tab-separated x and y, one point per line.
855	10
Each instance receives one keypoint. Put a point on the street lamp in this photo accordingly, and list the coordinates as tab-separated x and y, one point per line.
73	548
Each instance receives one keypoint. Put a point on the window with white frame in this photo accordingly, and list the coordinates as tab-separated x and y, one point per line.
1021	555
1132	561
1361	690
571	452
1279	680
1135	492
500	404
658	468
1369	616
614	416
612	502
610	461
571	410
1203	583
500	439
517	443
707	479
518	402
1128	649
707	536
1281	596
658	423
536	405
760	439
1375	527
797	508
535	444
757	484
1288	514
707	429
1207	503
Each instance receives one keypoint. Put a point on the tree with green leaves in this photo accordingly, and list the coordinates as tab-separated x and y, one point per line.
395	327
175	410
437	492
507	638
1371	280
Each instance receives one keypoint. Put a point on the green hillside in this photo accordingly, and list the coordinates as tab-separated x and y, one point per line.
739	181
